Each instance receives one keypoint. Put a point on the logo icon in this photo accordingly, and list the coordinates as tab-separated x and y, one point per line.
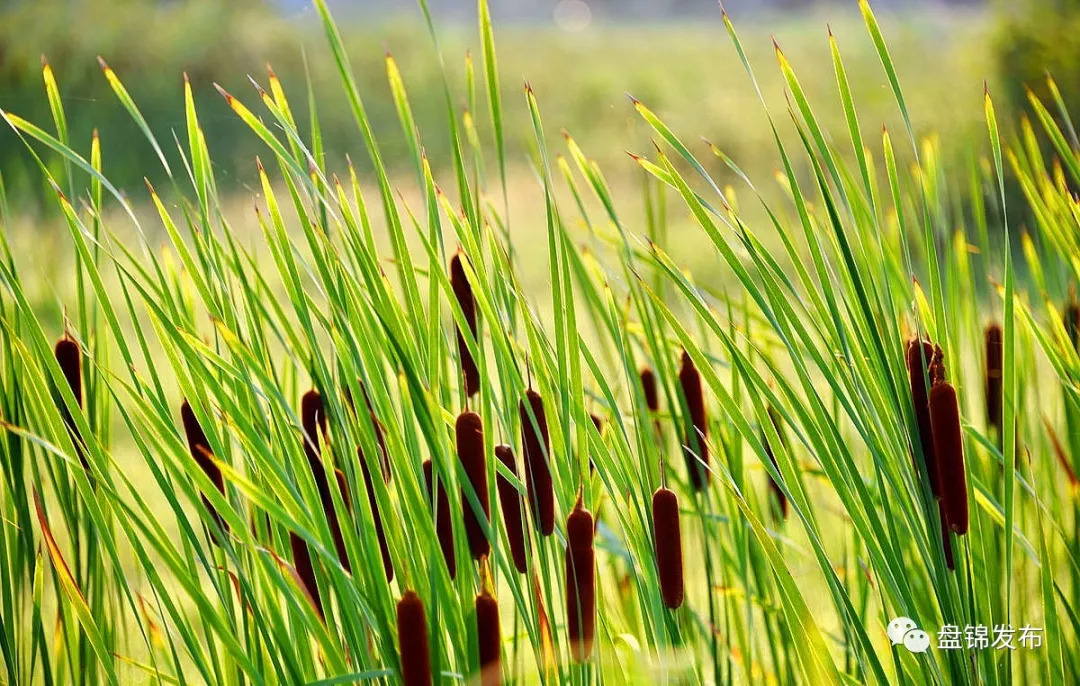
904	631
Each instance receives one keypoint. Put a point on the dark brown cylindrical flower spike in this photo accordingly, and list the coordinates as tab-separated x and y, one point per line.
949	448
380	440
511	501
313	421
994	368
695	447
778	493
413	641
200	451
919	357
667	544
305	570
489	639
444	528
464	295
470	447
388	565
648	389
534	443
69	357
580	583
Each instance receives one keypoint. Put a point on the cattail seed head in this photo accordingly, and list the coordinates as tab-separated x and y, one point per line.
464	295
469	431
535	445
667	544
199	447
919	356
313	421
489	640
994	366
305	570
648	389
778	493
413	641
511	501
69	358
949	449
444	528
580	582
384	549
695	446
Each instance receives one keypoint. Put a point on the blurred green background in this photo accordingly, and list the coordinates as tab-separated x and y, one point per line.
582	58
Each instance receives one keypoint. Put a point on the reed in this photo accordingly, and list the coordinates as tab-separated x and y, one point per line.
919	356
413	641
203	456
949	448
444	528
536	446
994	377
512	506
469	431
695	445
313	421
69	357
305	570
489	639
580	582
667	544
464	295
380	533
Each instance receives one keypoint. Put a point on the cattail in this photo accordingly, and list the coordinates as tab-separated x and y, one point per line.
490	642
313	419
388	564
470	447
580	582
464	295
444	528
919	356
413	641
695	447
1072	321
305	570
599	424
946	542
534	443
511	501
993	377
200	451
380	440
948	448
69	357
778	493
648	389
667	543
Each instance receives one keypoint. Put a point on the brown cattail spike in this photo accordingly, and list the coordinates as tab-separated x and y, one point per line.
464	295
305	570
511	501
444	528
200	451
69	357
313	420
695	446
534	443
489	640
667	544
580	583
949	449
778	493
470	446
380	440
993	377
919	357
413	641
384	549
648	389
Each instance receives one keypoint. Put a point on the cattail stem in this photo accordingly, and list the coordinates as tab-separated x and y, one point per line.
464	295
695	446
384	549
511	501
946	541
535	445
413	641
919	356
313	421
305	570
469	431
580	582
444	528
994	366
203	456
667	544
489	639
949	449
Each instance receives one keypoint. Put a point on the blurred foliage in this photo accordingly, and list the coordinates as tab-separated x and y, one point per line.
1036	38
